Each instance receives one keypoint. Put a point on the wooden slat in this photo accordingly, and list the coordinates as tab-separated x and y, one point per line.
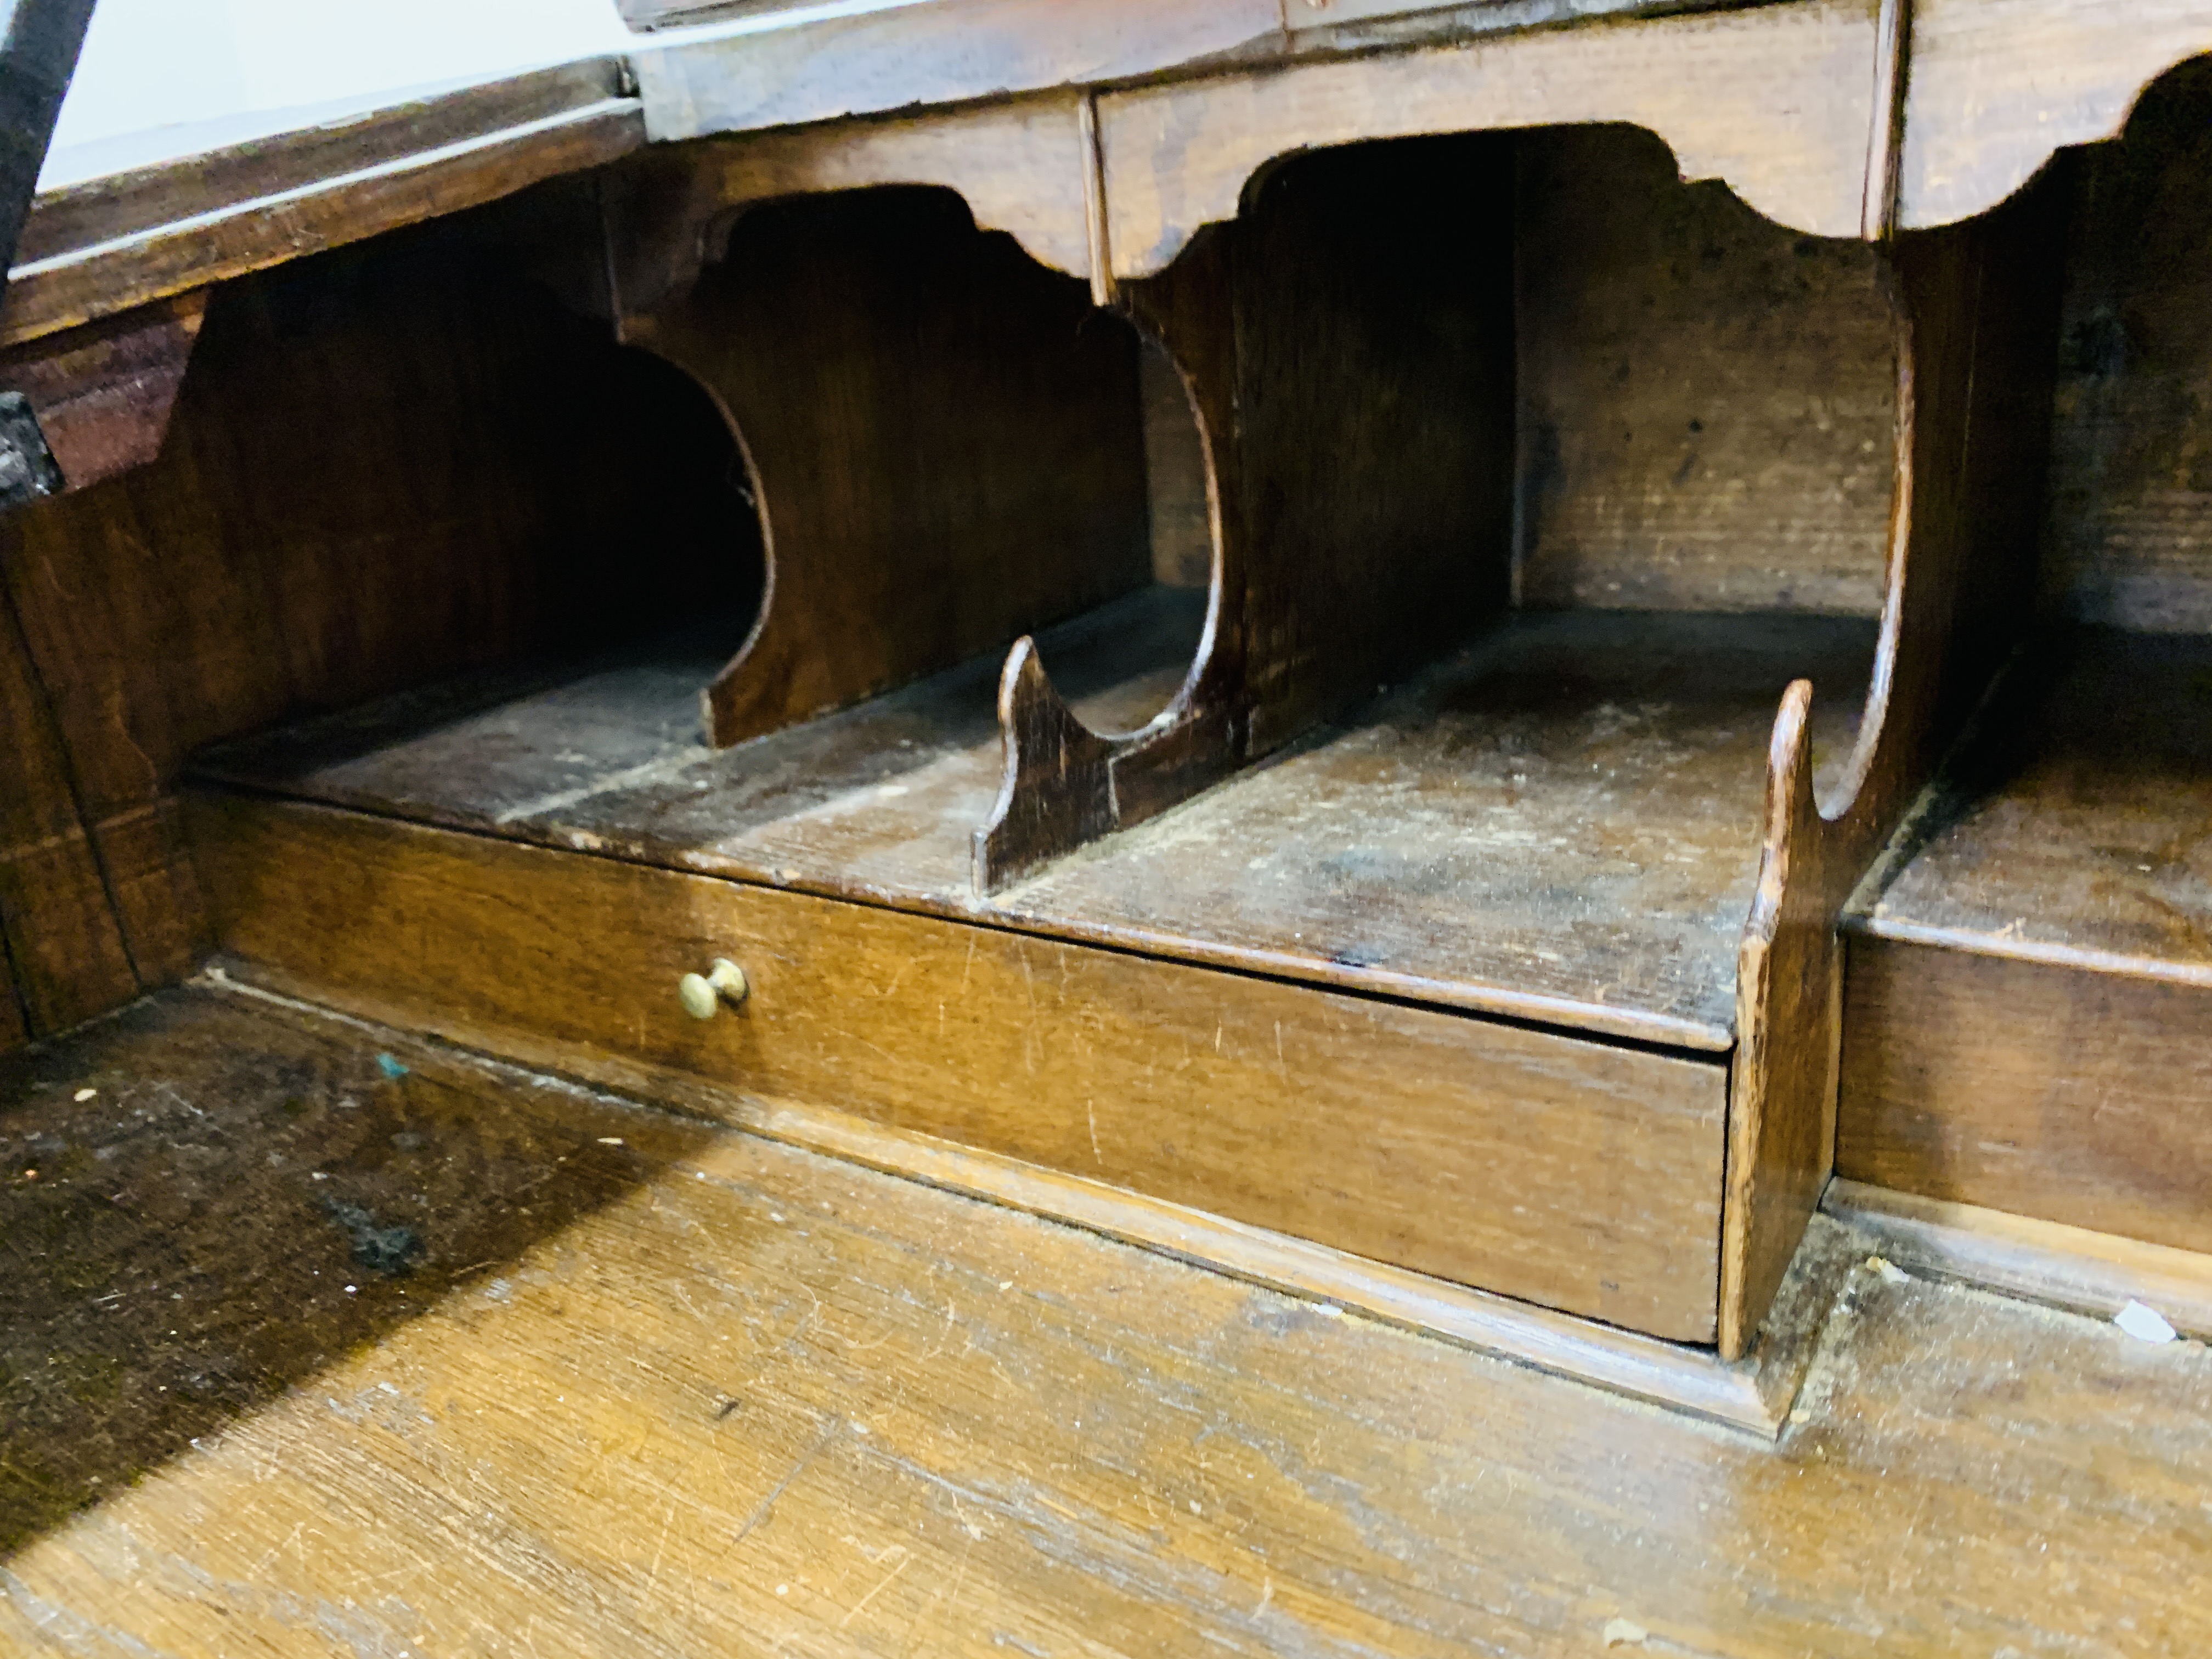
1777	101
887	57
2062	1092
1998	85
393	185
1579	1176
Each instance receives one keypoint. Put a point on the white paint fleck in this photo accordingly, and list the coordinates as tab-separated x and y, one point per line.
86	1094
1624	1633
2144	1324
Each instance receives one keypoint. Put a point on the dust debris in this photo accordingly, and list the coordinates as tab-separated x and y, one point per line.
83	1095
1890	1271
610	1140
1624	1633
387	1250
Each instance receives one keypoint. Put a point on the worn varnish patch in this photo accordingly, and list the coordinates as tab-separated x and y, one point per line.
751	1399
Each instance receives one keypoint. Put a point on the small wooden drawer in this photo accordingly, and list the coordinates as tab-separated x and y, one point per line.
1583	1175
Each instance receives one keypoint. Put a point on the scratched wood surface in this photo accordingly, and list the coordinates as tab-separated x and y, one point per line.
1422	850
699	1392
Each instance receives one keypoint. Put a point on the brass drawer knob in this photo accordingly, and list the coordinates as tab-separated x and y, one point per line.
703	995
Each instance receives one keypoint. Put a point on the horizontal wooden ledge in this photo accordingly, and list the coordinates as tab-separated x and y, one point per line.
1754	1394
2048	1262
1980	943
232	238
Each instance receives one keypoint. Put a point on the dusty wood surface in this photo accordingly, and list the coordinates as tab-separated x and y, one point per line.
2130	534
1997	85
1577	1175
2093	1273
121	242
1422	850
2076	826
1777	101
699	1391
1707	401
945	440
375	475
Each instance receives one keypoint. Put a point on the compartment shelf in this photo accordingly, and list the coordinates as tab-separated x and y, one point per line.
1560	823
2030	977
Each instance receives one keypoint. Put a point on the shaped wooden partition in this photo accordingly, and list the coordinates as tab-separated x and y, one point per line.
943	442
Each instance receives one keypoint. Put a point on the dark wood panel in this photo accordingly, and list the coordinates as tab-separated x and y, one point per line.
57	920
946	440
2130	528
699	1393
2061	1092
1581	1176
376	474
1707	399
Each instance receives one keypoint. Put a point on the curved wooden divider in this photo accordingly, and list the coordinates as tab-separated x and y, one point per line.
941	440
1977	324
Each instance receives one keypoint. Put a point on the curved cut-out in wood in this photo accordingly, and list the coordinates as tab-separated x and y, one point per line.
1779	101
1999	86
1269	320
1976	314
1022	167
941	438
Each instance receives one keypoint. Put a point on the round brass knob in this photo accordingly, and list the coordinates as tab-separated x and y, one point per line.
703	995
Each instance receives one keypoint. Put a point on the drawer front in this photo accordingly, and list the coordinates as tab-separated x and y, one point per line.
1577	1174
2063	1093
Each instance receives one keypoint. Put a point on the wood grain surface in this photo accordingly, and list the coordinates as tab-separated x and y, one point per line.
946	441
2131	493
700	1391
1021	166
387	465
123	242
1707	401
2075	826
874	58
1581	1176
2047	1261
1998	85
1420	850
1339	317
103	393
1777	101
